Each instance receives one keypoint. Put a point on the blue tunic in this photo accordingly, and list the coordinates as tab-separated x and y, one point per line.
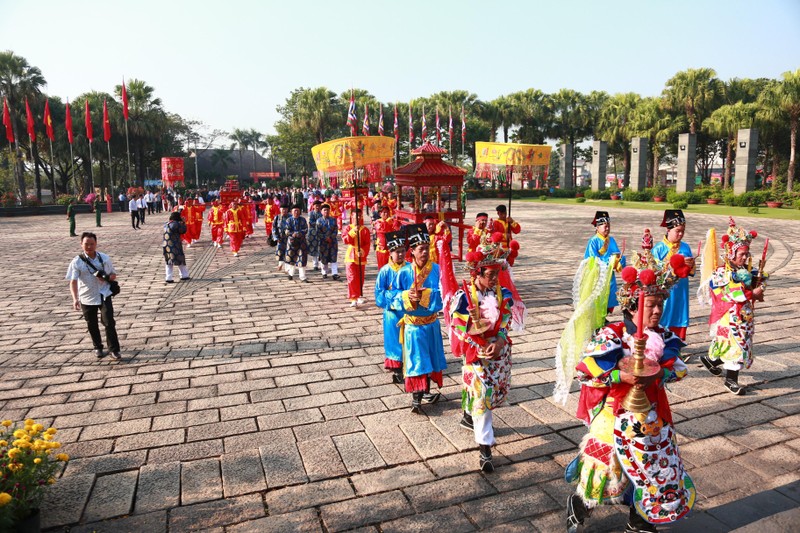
313	235
327	238
676	307
593	248
389	299
423	349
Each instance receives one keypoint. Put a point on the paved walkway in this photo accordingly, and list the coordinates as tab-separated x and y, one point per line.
249	403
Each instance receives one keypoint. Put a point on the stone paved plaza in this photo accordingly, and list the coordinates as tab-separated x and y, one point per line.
248	403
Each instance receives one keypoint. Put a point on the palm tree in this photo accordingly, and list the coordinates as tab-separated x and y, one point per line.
694	91
615	125
147	121
18	79
533	115
314	110
726	121
506	113
221	157
781	102
651	121
256	142
241	141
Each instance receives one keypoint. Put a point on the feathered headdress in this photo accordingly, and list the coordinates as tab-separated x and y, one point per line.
648	275
489	253
735	238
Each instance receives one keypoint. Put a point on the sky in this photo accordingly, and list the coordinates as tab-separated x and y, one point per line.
229	64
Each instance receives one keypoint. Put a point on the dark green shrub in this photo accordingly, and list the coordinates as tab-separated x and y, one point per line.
581	200
753	210
680	204
543	198
638	196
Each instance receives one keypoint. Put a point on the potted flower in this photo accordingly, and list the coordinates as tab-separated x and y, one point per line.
714	198
615	194
774	201
659	193
28	464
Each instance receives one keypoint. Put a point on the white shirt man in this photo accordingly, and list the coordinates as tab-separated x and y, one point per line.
133	207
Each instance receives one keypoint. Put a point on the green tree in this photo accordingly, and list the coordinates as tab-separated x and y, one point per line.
147	124
221	157
615	126
781	102
533	115
241	142
695	92
726	121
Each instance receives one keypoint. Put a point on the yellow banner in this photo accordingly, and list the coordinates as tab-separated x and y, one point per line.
353	152
512	154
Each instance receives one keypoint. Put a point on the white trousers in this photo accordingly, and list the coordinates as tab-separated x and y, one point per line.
484	432
184	270
334	268
291	268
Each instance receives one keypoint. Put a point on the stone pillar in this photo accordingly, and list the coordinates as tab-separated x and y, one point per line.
638	163
599	162
565	166
687	144
746	152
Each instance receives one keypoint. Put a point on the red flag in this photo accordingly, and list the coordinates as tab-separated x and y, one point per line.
124	101
365	125
424	126
106	123
396	126
7	122
29	117
450	125
410	127
89	134
463	127
351	115
380	122
438	130
68	125
48	121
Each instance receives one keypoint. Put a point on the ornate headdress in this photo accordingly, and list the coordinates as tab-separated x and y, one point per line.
416	234
673	218
601	217
649	275
489	253
395	240
735	238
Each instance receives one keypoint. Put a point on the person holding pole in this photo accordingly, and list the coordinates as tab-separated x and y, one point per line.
356	237
387	297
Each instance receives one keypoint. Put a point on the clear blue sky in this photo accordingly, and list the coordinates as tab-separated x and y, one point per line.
230	63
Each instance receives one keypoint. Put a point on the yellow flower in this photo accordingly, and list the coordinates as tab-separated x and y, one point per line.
3	443
30	421
20	433
13	452
62	457
37	460
21	444
4	498
47	436
51	431
38	427
51	481
6	423
55	444
14	466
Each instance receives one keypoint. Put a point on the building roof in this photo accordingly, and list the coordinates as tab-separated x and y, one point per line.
428	163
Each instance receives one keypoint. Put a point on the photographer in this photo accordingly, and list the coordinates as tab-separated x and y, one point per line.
92	282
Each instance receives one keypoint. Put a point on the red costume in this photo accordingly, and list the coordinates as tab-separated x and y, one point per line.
474	237
187	214
442	235
216	220
382	227
271	210
234	226
197	220
247	216
501	226
336	211
355	281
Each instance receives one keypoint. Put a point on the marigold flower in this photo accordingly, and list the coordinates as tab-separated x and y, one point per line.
51	431
51	481
62	457
20	433
21	444
38	427
47	436
14	466
4	498
3	443
6	423
37	461
29	421
13	452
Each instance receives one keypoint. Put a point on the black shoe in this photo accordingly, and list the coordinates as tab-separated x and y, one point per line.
397	378
734	387
116	356
710	366
466	422
324	276
416	403
431	397
290	277
637	524
336	277
486	459
185	279
305	280
169	281
576	513
99	354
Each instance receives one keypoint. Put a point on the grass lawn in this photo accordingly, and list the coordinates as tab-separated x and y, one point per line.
783	213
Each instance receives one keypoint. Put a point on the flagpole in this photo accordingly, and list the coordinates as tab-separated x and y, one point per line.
110	171
128	146
91	170
72	170
52	170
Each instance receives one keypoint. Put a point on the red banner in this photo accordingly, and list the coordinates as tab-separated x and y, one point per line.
171	169
259	175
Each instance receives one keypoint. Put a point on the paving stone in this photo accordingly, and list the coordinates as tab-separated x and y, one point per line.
185	452
200	481
64	501
149	440
451	519
216	513
88	448
448	492
321	459
151	523
281	393
301	379
129	400
116	429
154	409
392	444
336	385
282	420
305	521
192	418
242	473
315	400
112	496
282	464
427	440
221	429
357	452
535	447
509	506
525	473
350	514
103	464
309	495
392	478
218	401
59	409
159	487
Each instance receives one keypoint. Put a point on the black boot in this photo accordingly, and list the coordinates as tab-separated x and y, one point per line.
711	366
732	382
576	513
637	524
466	421
416	402
397	376
486	459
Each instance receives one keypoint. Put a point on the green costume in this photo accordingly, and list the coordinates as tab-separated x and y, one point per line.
97	213
71	217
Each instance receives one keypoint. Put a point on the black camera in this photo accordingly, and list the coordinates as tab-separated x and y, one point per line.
102	275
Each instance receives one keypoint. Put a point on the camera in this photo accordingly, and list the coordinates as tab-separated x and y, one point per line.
102	275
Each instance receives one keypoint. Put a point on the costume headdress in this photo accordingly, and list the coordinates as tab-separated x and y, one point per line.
649	276
417	234
484	216
489	253
601	217
673	218
325	206
735	238
395	240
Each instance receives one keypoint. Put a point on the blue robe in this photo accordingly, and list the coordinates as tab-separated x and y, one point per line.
423	349
388	298
313	235
328	239
676	307
279	233
593	248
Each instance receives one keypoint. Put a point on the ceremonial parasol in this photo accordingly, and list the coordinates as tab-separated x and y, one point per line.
353	162
503	161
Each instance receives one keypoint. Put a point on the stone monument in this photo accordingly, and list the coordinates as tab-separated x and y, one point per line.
687	144
599	162
638	164
746	153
